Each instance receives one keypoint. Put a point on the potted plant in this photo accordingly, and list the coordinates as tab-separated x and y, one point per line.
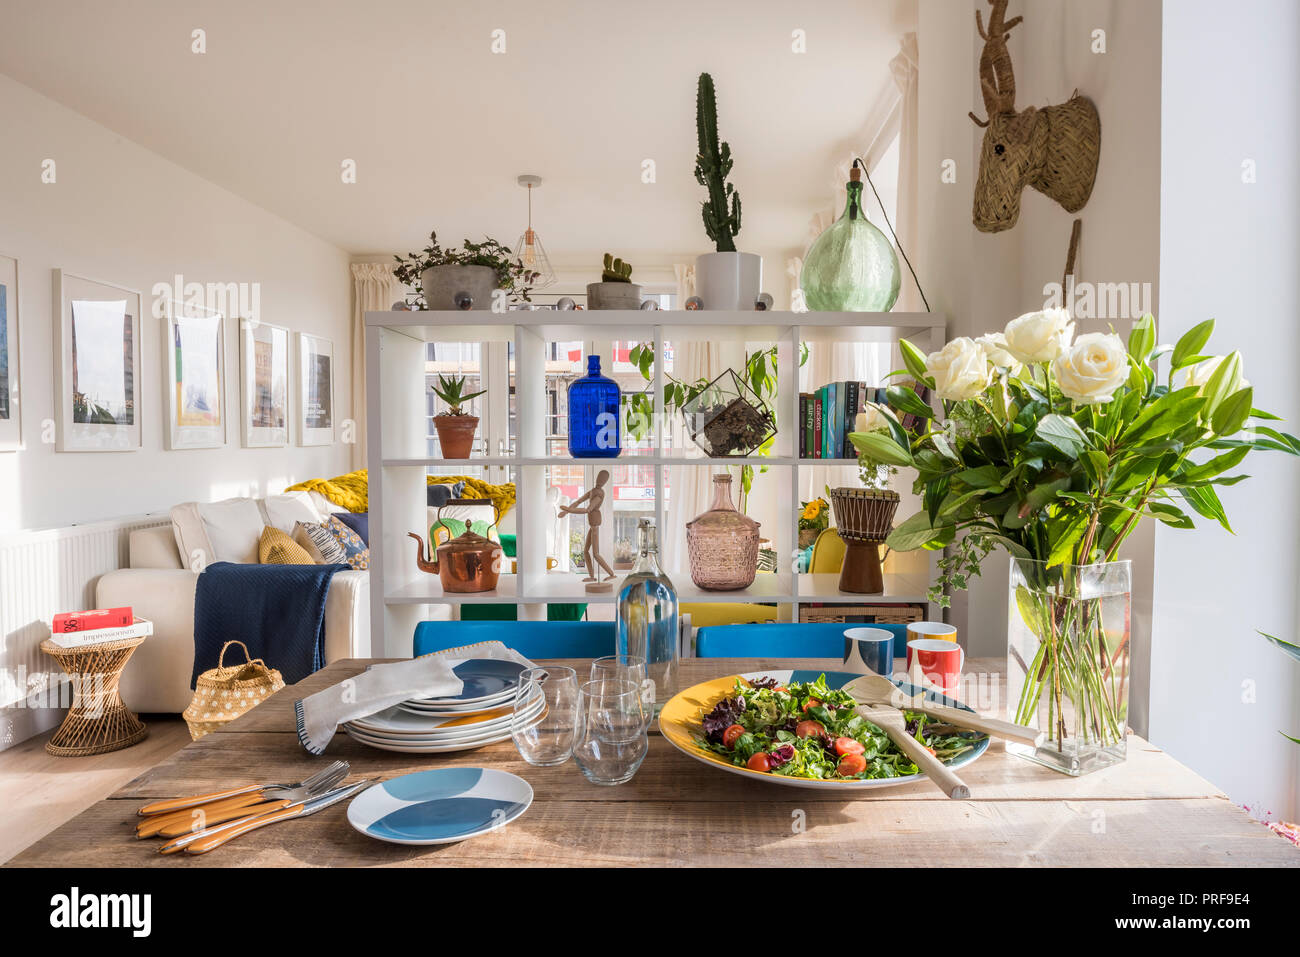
463	278
616	290
1054	448
814	518
455	427
725	279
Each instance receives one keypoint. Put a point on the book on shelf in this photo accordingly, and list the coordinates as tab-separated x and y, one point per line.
850	416
138	628
70	621
819	406
828	415
860	614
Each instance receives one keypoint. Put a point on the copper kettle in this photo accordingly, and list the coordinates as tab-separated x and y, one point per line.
467	563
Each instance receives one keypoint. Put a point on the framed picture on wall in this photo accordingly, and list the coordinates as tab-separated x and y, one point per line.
264	377
96	365
194	385
11	430
315	390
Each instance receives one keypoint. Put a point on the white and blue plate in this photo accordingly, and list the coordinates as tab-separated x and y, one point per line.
484	679
441	806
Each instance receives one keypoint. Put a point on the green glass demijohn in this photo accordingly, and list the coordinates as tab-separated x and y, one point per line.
851	266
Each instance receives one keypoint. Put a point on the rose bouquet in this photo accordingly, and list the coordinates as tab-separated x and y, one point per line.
1054	448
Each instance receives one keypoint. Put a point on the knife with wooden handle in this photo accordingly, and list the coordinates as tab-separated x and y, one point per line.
187	825
201	844
156	824
181	804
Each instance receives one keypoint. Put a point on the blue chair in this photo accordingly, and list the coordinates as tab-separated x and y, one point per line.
532	639
786	640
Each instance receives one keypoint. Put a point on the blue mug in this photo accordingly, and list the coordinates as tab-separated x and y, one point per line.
869	651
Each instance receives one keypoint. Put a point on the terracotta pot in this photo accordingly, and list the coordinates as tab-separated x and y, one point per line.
455	434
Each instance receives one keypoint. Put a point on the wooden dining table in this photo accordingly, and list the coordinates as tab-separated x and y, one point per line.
1148	811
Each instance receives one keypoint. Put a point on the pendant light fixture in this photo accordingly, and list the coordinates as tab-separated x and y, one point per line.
528	249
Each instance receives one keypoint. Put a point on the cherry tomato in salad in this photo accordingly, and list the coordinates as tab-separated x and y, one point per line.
851	764
807	729
812	703
845	746
731	734
761	762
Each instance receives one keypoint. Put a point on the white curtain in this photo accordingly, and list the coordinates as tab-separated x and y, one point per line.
907	218
374	290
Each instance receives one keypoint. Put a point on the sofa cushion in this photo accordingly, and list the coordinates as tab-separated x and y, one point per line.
154	548
439	492
277	548
191	538
287	510
359	522
356	552
324	548
233	528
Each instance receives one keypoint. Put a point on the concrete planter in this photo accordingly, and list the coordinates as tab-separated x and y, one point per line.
613	295
442	284
729	281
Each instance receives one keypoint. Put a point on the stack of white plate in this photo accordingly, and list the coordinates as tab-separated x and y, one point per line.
481	714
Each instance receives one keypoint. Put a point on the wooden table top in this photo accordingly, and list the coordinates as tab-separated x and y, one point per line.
1151	810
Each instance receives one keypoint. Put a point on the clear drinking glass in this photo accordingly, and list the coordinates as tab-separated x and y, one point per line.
546	739
626	668
613	730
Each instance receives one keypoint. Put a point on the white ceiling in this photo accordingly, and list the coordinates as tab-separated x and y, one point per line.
439	126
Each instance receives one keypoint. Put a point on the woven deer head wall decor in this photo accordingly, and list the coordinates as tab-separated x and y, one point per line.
1054	150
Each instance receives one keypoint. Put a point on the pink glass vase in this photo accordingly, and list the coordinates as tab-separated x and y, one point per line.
722	543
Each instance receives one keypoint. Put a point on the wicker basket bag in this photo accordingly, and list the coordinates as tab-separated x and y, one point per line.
224	693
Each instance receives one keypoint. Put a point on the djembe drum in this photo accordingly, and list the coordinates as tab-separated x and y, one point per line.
864	517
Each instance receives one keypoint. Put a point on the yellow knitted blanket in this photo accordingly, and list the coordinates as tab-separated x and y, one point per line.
352	491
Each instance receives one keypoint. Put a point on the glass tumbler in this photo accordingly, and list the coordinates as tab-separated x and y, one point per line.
627	668
546	739
613	727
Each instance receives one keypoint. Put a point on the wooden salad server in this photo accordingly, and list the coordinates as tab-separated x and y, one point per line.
874	690
891	721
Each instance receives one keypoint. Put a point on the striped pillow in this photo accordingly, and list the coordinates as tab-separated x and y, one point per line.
277	548
326	545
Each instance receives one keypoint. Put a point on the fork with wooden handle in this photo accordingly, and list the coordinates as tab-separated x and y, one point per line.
891	721
877	690
214	813
265	792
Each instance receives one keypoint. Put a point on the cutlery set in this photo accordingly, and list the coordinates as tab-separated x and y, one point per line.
204	822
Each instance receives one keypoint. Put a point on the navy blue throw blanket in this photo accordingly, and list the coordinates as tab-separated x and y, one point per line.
277	610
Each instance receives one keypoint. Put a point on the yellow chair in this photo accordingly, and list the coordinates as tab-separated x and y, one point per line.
707	613
827	553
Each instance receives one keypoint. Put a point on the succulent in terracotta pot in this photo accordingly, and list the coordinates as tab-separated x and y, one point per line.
456	427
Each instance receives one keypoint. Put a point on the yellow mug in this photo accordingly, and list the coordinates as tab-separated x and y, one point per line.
931	629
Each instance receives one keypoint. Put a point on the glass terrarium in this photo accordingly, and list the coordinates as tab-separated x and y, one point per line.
727	418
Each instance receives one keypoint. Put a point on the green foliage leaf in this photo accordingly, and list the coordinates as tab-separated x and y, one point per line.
1142	338
914	359
984	477
1204	501
1188	348
1215	466
904	399
1232	412
917	532
880	448
1171	515
1062	433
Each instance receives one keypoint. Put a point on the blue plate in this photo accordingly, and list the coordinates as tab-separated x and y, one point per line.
441	806
483	678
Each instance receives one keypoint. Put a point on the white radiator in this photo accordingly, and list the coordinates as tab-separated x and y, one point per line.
43	573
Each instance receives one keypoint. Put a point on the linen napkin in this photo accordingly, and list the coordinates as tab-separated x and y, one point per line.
386	685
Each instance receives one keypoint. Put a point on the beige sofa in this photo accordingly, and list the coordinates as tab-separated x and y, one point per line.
159	586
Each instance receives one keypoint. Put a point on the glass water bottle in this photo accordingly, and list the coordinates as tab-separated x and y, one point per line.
647	615
594	431
851	266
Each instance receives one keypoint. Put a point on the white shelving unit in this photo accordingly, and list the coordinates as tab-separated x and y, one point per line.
397	435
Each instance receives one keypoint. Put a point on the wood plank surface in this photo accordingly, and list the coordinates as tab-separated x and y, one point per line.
1148	811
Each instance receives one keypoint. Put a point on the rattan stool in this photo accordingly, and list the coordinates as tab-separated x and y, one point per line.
98	721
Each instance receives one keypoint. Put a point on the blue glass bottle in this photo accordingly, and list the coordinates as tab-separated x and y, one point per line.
594	426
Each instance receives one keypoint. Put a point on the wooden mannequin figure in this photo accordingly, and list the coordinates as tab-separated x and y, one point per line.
593	500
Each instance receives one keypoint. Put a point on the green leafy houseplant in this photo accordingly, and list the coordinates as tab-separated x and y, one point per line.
1054	450
512	275
721	211
452	391
455	426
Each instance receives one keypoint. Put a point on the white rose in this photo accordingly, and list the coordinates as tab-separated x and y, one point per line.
1092	369
871	419
1199	374
960	370
995	347
1039	336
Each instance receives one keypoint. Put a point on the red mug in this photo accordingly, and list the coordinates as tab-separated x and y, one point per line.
941	662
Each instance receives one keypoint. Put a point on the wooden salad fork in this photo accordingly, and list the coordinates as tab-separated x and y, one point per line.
891	721
262	792
879	691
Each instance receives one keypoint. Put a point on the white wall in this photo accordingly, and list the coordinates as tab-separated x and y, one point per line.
981	280
122	214
1229	250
